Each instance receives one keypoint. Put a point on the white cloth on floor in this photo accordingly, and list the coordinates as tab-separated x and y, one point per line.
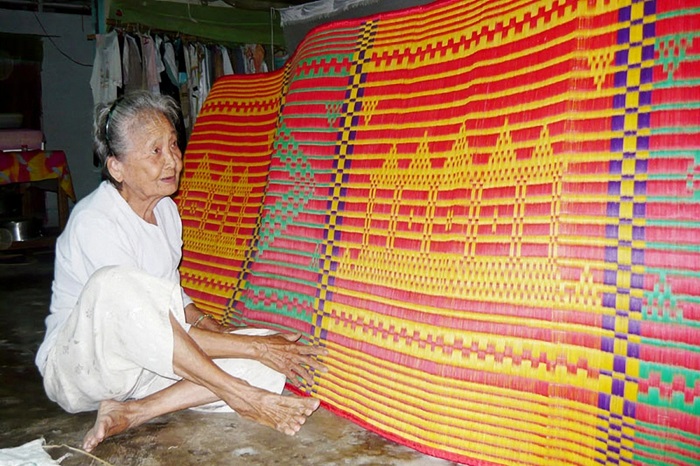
31	453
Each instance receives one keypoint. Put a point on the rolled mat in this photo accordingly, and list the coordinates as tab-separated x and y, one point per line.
487	211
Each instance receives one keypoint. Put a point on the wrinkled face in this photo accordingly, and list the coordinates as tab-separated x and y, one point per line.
150	168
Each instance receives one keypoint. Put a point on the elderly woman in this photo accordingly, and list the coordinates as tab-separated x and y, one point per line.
122	337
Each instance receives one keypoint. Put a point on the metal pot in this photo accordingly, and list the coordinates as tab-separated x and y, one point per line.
23	228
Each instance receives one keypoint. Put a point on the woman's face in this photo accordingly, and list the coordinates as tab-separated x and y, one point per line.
150	168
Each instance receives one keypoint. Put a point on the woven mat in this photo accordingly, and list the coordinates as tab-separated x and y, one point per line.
487	211
225	173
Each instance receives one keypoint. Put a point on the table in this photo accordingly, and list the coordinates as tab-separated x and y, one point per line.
42	168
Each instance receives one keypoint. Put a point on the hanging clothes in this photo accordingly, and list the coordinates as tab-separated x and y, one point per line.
106	69
168	75
150	65
169	60
133	64
192	66
217	62
254	55
228	66
184	70
204	57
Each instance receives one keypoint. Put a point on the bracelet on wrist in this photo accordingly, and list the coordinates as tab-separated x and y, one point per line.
201	318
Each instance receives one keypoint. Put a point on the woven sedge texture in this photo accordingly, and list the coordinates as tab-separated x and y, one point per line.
489	213
226	166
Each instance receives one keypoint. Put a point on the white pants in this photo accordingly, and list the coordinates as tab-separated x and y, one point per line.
118	344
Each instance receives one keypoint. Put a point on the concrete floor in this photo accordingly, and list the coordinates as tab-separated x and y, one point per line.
184	438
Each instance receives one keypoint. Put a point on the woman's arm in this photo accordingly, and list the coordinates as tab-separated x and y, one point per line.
201	320
282	351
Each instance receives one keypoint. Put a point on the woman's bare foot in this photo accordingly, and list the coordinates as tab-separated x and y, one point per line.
113	417
284	413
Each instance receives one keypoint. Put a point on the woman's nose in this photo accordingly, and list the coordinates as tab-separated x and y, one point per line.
173	155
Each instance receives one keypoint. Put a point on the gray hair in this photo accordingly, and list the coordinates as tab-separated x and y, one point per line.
113	121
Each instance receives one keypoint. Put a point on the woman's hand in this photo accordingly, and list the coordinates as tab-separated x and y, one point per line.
283	353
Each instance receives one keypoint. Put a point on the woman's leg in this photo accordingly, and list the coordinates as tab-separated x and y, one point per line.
114	417
203	382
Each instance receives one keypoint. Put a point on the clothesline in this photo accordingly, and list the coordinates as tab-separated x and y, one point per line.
143	29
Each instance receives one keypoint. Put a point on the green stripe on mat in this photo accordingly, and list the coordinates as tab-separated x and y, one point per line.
667	373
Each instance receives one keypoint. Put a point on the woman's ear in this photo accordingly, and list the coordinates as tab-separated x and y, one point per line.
114	166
